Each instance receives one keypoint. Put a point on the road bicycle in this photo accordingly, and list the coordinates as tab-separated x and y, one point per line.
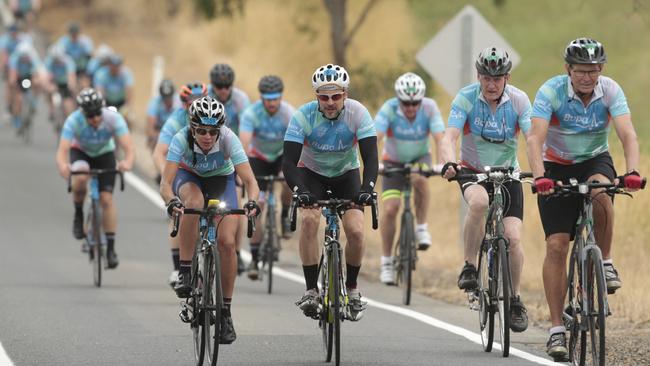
94	241
270	246
333	294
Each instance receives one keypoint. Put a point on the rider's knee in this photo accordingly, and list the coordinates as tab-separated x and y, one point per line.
557	246
478	204
310	220
391	208
196	202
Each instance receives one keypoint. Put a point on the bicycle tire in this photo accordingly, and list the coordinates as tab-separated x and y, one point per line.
270	249
406	256
213	302
197	325
596	304
577	338
323	323
335	297
97	247
486	310
503	297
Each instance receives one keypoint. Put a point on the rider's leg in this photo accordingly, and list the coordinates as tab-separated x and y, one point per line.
258	234
109	212
603	211
554	275
308	245
16	107
353	226
474	227
192	197
226	239
512	227
421	193
391	204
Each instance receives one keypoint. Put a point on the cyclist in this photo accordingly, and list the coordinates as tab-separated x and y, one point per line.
201	163
80	48
62	78
262	130
24	64
25	10
490	114
160	108
320	154
235	100
174	123
115	81
572	117
8	43
99	60
87	141
406	122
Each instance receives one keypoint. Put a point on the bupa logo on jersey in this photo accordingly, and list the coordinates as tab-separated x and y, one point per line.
336	138
492	126
583	122
415	132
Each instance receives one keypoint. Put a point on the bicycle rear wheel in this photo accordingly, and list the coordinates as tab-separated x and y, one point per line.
197	323
573	313
503	297
335	298
406	256
213	301
595	289
486	310
95	234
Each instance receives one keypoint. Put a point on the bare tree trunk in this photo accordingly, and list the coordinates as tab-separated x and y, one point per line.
337	11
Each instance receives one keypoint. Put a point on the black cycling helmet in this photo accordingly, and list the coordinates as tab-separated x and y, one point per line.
493	61
222	75
74	28
166	88
585	51
90	101
270	86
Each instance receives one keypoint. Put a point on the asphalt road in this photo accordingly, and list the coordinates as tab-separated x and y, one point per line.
51	314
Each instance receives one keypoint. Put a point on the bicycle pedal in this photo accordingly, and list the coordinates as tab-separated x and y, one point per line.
186	313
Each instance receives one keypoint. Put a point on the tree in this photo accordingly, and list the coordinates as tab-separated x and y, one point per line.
337	10
214	8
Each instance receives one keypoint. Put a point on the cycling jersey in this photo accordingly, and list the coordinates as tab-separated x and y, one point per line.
94	142
174	123
471	114
79	50
268	131
577	133
25	67
234	106
407	141
60	69
114	86
330	145
226	153
9	43
158	110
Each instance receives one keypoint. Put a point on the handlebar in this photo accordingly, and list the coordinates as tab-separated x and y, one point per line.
585	188
97	172
269	178
491	173
408	169
334	203
216	211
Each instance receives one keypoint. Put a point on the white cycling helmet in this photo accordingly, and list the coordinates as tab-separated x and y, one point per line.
330	76
410	87
103	51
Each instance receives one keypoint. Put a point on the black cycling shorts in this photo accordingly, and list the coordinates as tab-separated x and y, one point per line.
104	161
560	214
345	186
263	167
513	195
64	90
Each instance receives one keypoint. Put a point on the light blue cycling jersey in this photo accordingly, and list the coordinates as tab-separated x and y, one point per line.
174	123
94	142
471	114
221	160
26	66
576	133
23	6
114	86
330	146
234	106
268	131
80	51
407	141
60	69
158	110
8	43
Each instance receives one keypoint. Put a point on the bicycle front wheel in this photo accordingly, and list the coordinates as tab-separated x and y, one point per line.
596	300
335	298
406	256
196	298
212	302
269	254
95	234
485	308
572	315
503	297
324	320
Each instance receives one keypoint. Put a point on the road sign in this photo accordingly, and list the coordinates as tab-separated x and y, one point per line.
449	56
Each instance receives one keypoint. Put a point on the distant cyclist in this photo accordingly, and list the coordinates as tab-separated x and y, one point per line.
115	82
489	115
178	120
8	43
100	59
25	72
80	48
62	78
88	141
201	163
160	108
25	10
320	154
406	123
262	129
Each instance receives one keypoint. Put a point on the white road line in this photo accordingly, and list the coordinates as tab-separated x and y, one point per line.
150	193
4	358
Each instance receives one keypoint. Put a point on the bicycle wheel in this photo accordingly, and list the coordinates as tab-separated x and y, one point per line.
595	290
406	255
197	324
486	310
503	297
270	248
324	319
95	234
212	303
572	315
335	298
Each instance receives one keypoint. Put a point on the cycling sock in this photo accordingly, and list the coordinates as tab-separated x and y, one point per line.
422	227
386	260
184	267
176	257
558	329
353	273
78	209
285	211
110	241
255	252
311	276
608	261
227	301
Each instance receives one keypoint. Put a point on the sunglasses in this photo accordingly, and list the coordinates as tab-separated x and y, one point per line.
204	131
410	104
327	97
93	114
221	86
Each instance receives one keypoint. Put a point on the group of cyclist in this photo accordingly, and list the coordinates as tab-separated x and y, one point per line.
211	142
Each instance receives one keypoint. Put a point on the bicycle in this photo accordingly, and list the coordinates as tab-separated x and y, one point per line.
586	290
333	294
94	239
494	291
270	246
202	309
405	256
27	109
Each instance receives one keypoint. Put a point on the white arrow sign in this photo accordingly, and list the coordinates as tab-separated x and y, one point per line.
449	56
